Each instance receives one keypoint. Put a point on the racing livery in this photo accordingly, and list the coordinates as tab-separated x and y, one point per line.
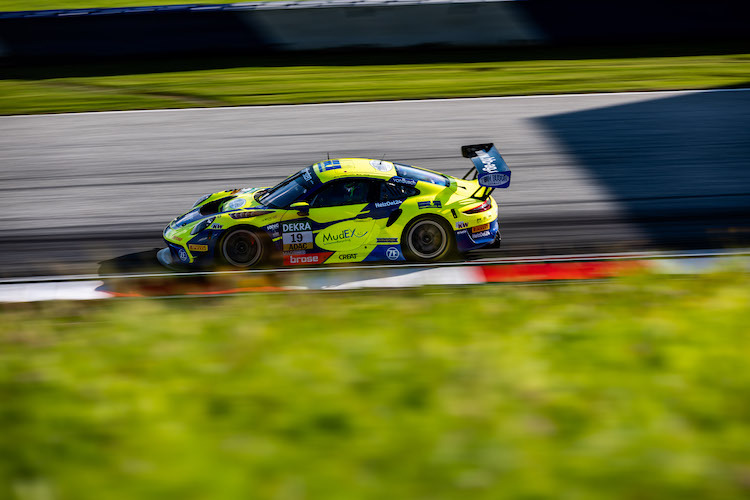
343	211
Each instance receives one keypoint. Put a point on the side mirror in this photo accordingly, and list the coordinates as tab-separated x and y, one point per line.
302	207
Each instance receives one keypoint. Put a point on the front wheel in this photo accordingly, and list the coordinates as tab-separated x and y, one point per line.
242	248
428	239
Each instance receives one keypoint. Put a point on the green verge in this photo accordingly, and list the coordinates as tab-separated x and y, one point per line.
20	5
633	388
340	83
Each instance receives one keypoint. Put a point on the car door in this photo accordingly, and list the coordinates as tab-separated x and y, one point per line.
341	210
337	220
387	202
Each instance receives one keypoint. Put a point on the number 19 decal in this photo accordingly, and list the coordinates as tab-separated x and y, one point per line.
298	241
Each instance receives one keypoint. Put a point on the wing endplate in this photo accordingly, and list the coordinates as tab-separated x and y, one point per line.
492	170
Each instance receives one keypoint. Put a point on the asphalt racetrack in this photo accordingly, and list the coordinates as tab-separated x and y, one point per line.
591	173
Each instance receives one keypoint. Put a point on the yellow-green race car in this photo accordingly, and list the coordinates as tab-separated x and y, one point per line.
343	211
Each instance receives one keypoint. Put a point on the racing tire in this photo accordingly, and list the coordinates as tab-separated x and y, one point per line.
242	248
428	239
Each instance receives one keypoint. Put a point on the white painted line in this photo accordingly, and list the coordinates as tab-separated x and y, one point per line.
438	276
357	103
35	292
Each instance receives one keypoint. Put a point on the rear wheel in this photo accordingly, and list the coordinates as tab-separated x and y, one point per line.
428	239
242	248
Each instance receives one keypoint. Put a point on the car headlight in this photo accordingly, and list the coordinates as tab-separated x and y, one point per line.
202	225
201	200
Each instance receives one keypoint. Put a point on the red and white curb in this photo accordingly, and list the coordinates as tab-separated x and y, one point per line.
515	270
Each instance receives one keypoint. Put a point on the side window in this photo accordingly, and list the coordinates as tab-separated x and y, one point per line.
342	192
389	191
421	175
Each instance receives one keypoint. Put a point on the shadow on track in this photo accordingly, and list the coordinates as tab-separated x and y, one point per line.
132	263
678	166
140	275
172	283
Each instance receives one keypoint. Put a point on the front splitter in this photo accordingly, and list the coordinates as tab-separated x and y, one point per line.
166	259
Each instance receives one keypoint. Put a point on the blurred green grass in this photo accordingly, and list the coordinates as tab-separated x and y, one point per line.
340	83
633	388
19	5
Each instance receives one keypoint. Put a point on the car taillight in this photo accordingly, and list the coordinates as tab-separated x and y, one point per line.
481	208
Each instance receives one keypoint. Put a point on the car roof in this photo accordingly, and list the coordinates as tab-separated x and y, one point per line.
328	170
353	167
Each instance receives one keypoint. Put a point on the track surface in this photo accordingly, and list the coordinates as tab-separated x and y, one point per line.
591	173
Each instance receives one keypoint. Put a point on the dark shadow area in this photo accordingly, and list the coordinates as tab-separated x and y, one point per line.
138	262
678	166
60	67
165	283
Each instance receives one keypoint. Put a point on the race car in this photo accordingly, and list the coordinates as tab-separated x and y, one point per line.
344	211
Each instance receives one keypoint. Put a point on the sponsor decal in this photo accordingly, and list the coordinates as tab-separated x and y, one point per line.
346	235
429	204
183	255
488	162
392	253
234	190
483	234
382	204
235	204
298	241
404	180
295	226
198	248
273	227
383	166
479	229
307	175
325	166
386	241
461	225
300	237
495	179
310	258
178	238
348	256
216	226
298	246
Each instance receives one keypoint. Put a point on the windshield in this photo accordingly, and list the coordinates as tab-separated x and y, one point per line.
290	189
421	175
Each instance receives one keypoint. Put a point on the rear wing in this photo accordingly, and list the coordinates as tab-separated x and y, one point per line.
490	169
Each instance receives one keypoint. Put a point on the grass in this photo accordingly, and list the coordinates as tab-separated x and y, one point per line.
633	388
24	92
20	5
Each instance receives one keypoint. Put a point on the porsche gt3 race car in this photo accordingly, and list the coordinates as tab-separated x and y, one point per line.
343	211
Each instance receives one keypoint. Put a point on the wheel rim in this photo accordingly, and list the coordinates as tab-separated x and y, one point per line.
427	239
242	248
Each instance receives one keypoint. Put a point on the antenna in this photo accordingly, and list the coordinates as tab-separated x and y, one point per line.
328	154
383	157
